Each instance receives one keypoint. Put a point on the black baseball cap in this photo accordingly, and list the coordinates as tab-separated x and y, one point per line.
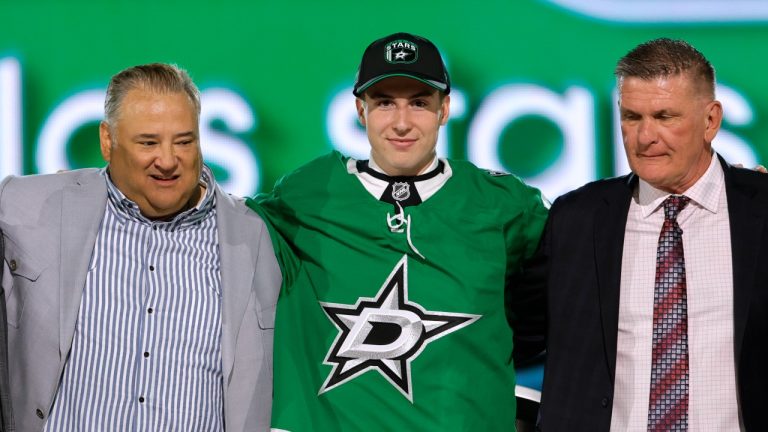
402	54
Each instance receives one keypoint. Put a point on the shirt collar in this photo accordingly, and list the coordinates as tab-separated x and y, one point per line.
374	166
125	208
705	193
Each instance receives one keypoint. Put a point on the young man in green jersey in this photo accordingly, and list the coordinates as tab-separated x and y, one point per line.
403	298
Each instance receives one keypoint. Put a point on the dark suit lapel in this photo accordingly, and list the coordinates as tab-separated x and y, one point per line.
747	213
610	220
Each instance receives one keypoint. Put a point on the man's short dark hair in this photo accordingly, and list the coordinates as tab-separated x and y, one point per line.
666	57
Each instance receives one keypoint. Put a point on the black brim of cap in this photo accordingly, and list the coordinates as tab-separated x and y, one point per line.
432	83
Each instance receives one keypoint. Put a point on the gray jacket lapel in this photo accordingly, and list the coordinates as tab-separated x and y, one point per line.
81	215
236	241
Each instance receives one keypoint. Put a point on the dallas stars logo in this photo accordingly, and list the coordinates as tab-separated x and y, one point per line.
385	333
401	51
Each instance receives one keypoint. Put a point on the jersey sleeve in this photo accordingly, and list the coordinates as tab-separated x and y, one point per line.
277	217
525	293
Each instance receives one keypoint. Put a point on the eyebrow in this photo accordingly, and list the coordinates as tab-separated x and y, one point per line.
663	111
186	134
421	94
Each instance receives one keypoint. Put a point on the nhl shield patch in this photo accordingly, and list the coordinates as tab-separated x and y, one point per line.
401	51
401	191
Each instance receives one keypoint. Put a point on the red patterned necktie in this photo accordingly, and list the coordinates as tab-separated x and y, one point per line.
668	402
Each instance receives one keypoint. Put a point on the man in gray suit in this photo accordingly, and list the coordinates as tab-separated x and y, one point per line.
140	296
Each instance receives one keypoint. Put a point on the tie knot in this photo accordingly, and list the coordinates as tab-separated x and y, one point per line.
673	205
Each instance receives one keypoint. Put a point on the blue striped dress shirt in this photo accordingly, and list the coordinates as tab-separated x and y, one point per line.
146	353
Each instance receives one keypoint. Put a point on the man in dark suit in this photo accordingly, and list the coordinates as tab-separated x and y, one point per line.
658	312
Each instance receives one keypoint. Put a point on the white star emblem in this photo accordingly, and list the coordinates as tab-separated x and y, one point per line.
401	55
385	333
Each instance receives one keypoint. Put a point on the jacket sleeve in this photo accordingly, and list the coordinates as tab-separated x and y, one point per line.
6	415
525	294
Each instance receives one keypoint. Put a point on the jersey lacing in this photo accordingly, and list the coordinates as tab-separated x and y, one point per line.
395	223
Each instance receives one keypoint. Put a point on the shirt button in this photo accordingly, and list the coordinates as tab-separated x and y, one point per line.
12	265
146	354
39	413
605	402
141	399
151	268
150	310
154	227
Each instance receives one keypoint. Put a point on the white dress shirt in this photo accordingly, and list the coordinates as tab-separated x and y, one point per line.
704	221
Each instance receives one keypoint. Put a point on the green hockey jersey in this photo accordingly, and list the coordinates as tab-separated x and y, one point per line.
399	320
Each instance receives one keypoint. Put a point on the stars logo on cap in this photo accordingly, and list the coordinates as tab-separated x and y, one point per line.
385	333
401	51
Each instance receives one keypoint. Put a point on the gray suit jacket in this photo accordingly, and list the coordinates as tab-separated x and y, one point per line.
50	224
6	417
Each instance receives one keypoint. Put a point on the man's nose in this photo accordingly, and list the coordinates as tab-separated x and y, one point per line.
166	157
647	132
402	121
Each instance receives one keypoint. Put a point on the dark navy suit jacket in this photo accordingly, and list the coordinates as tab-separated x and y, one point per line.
583	245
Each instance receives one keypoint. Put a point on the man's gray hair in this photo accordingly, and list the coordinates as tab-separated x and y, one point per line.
666	57
155	77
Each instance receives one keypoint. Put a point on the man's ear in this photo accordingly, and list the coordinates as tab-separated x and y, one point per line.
445	110
105	141
713	120
360	106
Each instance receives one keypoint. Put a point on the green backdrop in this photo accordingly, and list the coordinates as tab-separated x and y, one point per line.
533	79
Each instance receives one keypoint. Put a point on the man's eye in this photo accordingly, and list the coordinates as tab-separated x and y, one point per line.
420	103
185	142
629	116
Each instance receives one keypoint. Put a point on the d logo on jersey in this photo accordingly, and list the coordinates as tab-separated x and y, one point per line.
385	333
